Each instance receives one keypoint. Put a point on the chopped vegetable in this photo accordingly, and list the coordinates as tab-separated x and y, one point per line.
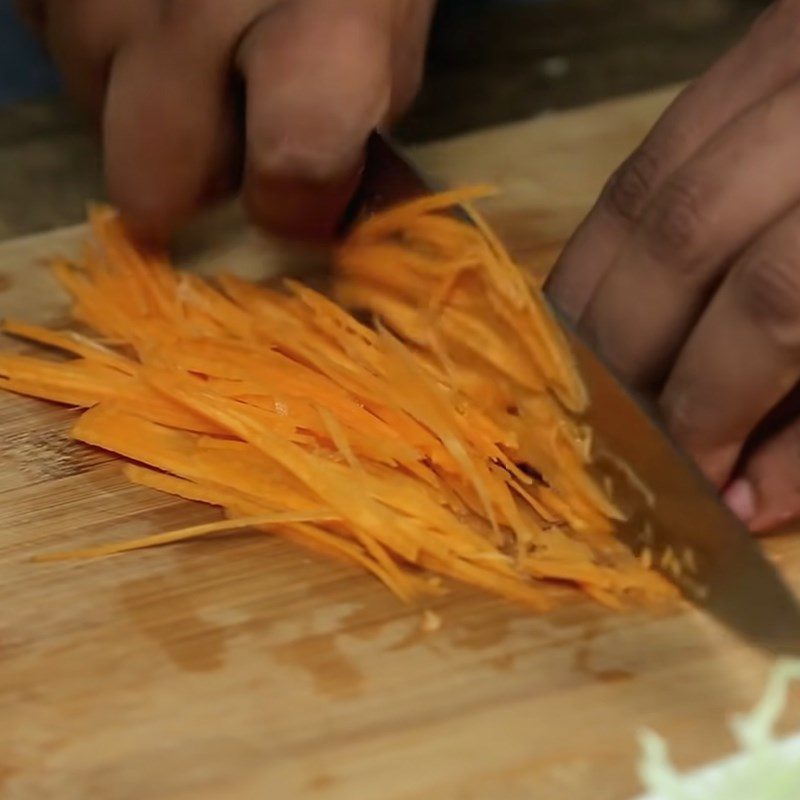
442	439
431	621
767	768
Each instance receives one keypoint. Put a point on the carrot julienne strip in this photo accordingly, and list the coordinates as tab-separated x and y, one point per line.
444	440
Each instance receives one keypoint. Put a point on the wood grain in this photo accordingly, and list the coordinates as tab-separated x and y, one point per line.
244	669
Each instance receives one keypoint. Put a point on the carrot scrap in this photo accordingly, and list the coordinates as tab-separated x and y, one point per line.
186	534
442	441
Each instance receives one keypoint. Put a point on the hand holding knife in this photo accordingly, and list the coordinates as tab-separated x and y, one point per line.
680	521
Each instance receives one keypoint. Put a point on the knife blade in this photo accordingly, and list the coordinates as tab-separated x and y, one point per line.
671	509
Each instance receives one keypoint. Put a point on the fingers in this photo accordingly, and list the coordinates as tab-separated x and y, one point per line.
641	270
745	177
744	355
82	36
169	127
759	65
319	76
767	495
164	135
319	80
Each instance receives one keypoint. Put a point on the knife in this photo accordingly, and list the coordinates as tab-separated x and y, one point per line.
692	537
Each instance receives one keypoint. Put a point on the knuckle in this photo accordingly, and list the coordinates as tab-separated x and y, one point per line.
675	229
695	424
272	157
633	184
768	289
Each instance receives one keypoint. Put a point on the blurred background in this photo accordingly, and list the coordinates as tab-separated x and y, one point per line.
491	61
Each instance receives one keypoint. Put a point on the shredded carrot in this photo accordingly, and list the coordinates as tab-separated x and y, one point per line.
443	440
185	534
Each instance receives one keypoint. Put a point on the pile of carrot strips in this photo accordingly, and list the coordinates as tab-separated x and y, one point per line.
441	439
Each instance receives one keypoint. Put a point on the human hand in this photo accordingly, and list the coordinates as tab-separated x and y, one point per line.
686	274
197	98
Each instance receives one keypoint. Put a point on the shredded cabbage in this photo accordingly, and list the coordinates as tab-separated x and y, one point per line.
766	768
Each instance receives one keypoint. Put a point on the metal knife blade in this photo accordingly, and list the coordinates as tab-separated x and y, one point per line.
722	568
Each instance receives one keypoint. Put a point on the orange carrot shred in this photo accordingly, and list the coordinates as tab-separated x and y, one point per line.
444	440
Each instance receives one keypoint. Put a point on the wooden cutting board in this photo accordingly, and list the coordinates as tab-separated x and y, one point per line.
244	669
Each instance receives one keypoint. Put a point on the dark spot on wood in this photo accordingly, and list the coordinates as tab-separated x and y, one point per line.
479	634
332	673
369	621
584	661
505	662
6	774
321	782
170	620
613	675
5	283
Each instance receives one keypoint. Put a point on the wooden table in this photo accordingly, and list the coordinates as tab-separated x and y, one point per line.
243	669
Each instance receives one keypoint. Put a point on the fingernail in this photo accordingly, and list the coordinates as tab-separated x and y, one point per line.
740	497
